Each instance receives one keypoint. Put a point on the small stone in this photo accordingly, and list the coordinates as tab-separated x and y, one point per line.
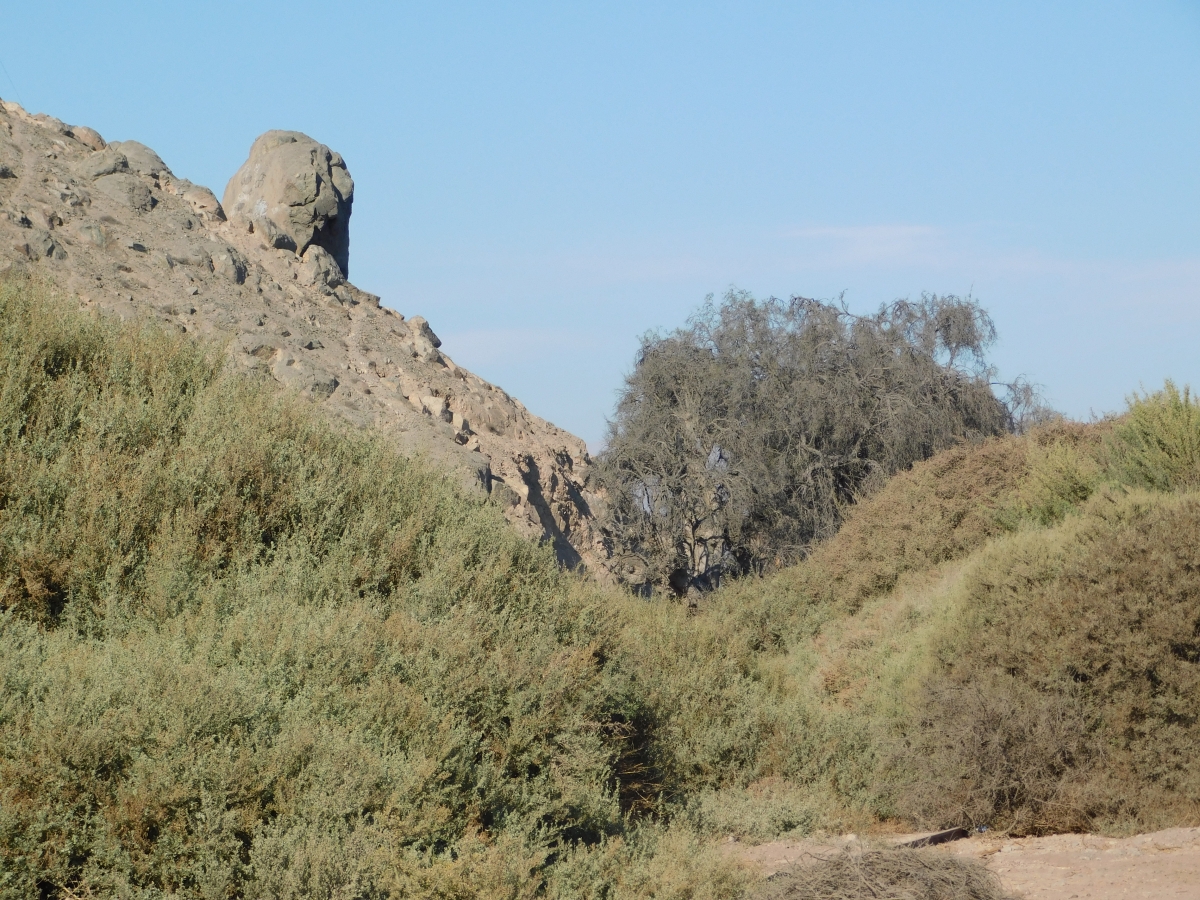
94	234
323	387
188	255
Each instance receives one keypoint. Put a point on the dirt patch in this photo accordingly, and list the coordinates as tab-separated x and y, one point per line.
1164	865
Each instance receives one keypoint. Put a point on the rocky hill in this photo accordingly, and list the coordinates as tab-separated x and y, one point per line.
266	274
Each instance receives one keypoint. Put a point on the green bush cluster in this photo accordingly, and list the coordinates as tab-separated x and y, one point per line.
1064	691
245	652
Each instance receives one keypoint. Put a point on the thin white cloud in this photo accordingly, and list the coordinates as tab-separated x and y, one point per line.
842	245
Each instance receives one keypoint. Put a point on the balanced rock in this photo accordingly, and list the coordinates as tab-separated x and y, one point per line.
294	193
111	224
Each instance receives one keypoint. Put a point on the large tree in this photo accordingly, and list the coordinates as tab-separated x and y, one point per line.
739	439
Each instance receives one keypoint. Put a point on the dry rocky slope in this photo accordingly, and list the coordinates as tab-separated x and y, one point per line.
266	274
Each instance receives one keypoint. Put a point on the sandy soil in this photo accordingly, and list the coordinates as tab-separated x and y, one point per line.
1165	864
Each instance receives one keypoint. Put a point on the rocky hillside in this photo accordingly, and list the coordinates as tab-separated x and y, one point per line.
266	274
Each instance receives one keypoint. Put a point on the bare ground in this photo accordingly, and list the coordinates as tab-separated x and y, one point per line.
1164	865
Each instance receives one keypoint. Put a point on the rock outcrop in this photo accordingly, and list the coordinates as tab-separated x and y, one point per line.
266	276
295	194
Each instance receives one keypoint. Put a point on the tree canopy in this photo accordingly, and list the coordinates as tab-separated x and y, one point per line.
739	439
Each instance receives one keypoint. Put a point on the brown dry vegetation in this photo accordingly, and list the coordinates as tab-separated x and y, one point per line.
884	875
247	653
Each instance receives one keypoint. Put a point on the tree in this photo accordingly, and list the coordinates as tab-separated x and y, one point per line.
740	438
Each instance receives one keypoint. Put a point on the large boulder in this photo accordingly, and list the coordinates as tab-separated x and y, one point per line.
294	193
140	158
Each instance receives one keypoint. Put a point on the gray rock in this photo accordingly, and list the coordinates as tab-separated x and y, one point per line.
188	255
43	246
421	327
319	267
203	202
296	373
127	190
89	137
502	495
271	235
299	187
229	264
349	295
106	162
52	123
324	386
436	407
94	234
6	172
141	158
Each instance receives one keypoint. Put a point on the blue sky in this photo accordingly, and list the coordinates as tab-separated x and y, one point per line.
546	182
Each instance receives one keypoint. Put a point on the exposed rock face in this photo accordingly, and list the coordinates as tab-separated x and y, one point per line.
295	194
113	225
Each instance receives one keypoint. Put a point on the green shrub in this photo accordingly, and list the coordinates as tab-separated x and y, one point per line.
1157	444
939	510
245	652
1065	693
1067	464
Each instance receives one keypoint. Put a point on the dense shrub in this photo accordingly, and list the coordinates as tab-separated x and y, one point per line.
937	511
246	653
740	439
1066	693
1157	445
760	733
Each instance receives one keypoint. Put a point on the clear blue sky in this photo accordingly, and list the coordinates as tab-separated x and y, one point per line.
545	182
